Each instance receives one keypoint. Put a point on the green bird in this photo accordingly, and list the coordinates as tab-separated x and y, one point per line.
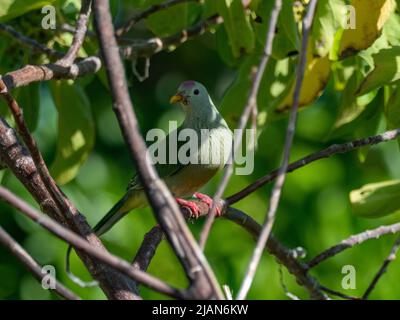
205	133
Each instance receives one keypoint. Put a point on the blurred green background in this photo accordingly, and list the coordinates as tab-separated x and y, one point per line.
314	212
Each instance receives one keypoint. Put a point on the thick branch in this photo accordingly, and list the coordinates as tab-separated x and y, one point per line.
21	164
203	281
284	255
87	247
50	71
33	267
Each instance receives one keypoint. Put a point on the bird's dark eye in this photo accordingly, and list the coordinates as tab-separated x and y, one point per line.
196	92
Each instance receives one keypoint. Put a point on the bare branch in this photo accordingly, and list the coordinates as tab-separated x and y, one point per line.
383	268
33	267
277	189
353	241
50	71
250	108
146	13
29	42
325	153
203	282
79	35
84	245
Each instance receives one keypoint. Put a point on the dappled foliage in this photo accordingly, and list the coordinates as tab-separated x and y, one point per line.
350	91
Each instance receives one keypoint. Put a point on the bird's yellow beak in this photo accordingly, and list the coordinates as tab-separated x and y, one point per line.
177	98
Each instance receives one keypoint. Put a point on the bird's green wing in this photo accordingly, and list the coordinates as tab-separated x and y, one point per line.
164	170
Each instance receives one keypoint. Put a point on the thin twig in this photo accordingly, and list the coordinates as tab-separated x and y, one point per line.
382	269
339	294
147	12
29	42
352	241
325	153
33	267
85	246
79	34
149	47
277	189
202	280
283	285
250	107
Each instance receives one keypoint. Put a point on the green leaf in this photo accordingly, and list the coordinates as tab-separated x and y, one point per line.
376	199
387	70
370	122
237	25
327	21
75	130
392	111
29	99
286	40
353	111
276	78
223	48
210	8
10	9
172	20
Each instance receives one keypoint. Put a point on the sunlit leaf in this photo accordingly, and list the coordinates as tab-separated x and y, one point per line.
327	21
376	199
75	130
316	77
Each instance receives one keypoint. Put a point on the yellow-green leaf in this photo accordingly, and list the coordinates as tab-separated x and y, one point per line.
371	16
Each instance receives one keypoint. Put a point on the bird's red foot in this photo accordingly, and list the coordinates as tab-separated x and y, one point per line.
192	206
209	202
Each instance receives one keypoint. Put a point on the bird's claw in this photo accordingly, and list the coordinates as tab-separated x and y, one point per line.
192	206
209	202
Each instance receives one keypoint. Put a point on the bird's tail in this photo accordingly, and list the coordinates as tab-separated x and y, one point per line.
112	217
119	210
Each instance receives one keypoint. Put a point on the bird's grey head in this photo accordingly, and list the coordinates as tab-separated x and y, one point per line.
194	98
